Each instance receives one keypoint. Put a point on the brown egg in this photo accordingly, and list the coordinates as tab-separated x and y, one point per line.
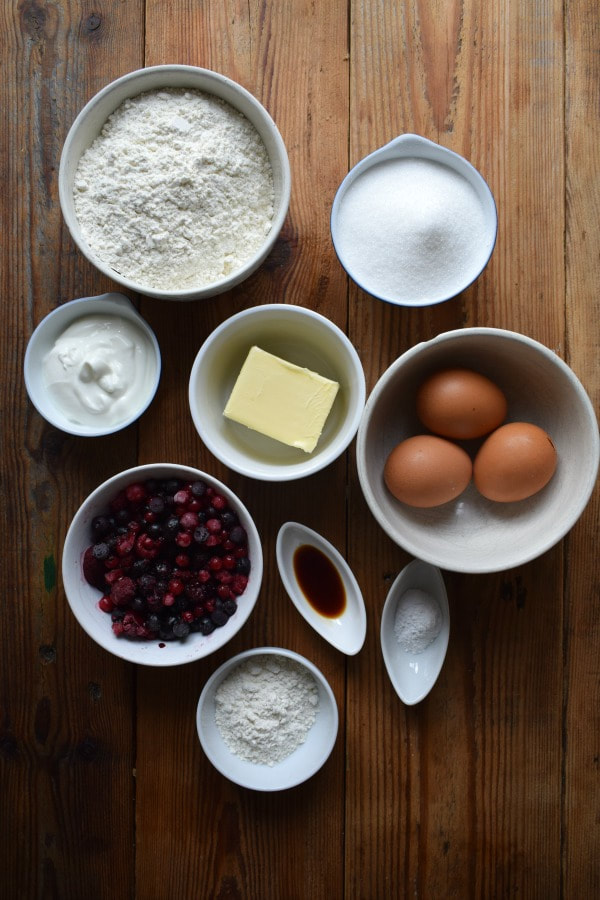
427	471
514	462
461	404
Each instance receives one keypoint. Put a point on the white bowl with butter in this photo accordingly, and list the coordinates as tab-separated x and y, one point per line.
276	392
92	365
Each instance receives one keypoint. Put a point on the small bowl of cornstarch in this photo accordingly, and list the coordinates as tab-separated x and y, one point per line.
174	181
267	719
414	223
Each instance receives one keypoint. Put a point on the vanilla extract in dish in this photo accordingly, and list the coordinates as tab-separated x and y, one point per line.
319	581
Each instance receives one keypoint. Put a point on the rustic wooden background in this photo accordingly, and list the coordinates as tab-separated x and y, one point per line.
490	787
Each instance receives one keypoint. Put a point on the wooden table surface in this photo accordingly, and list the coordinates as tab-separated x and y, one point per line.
488	788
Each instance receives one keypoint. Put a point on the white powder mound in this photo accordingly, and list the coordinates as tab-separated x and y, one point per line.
265	708
177	190
412	229
418	621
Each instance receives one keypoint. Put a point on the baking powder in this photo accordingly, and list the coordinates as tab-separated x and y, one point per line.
265	708
177	190
418	620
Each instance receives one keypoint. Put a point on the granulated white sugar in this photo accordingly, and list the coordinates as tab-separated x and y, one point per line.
412	229
176	192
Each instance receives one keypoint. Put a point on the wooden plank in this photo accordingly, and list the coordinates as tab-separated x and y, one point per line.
241	843
581	724
67	736
449	810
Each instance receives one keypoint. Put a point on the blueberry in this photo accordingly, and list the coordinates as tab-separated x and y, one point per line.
206	626
101	551
229	607
162	568
101	525
146	584
219	618
153	622
228	519
200	534
242	566
156	505
181	629
198	489
237	535
171	526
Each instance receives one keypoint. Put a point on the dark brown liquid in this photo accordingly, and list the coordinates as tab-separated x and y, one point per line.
319	581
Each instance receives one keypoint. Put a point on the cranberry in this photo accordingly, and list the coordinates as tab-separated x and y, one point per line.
189	521
106	604
135	494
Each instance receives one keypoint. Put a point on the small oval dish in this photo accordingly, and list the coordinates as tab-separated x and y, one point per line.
345	631
302	763
413	674
112	308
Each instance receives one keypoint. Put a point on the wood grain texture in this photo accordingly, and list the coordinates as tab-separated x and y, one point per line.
489	787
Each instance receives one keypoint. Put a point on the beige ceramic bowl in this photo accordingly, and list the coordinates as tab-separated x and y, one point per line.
94	114
472	534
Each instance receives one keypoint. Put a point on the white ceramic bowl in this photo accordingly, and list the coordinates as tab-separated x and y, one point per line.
413	674
94	114
52	326
346	631
299	336
83	598
470	533
412	146
307	759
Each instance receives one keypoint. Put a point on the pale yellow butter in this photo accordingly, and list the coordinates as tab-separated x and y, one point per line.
281	400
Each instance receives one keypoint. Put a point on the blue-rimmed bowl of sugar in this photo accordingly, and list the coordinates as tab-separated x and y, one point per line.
414	223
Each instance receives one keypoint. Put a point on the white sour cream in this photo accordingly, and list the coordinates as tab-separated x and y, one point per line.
99	370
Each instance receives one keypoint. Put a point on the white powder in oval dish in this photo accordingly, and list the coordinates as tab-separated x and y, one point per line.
265	708
411	229
176	192
418	621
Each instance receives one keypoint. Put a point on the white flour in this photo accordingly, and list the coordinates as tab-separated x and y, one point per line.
265	708
177	190
418	621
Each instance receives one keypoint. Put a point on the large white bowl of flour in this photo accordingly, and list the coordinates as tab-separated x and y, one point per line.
174	181
413	223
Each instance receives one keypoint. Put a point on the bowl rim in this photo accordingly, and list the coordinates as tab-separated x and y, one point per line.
524	556
316	460
105	639
410	145
207	696
147	74
50	328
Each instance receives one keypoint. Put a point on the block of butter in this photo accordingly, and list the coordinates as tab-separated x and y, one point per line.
281	400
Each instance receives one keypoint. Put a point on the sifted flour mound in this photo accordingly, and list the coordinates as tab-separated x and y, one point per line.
176	192
265	708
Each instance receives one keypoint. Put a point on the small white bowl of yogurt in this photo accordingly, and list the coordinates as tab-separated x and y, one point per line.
92	366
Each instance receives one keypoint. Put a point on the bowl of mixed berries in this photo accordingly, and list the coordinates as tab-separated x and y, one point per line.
162	564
